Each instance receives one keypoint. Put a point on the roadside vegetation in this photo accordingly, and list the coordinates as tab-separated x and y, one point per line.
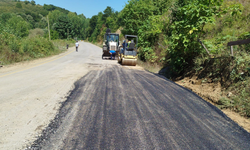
24	30
169	31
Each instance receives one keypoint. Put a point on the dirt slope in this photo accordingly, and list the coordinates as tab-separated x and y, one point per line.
212	92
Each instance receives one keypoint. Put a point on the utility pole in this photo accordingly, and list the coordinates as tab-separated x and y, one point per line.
67	34
48	26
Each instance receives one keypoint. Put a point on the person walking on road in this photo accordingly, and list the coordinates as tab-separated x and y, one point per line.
77	45
112	53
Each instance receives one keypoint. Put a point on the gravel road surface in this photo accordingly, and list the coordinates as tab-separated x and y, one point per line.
76	100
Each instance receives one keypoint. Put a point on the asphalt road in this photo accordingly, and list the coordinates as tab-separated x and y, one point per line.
114	107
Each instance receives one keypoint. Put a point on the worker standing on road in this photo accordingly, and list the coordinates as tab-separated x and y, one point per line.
123	46
77	45
112	53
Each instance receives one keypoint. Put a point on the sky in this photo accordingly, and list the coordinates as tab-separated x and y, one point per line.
87	7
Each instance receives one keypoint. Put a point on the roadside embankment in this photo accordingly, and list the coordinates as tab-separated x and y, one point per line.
14	49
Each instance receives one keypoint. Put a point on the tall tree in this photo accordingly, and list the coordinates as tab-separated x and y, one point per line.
63	26
33	2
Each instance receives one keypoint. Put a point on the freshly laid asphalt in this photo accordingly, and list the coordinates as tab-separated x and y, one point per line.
114	107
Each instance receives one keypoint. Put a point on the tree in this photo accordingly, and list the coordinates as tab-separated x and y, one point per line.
63	26
30	19
52	7
53	17
26	2
92	25
18	5
134	14
108	12
19	26
43	23
4	17
33	2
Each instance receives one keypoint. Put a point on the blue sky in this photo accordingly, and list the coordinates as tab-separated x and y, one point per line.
86	7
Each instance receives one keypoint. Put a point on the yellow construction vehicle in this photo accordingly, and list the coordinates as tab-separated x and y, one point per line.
128	54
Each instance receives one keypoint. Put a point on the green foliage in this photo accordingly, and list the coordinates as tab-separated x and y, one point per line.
36	32
14	49
188	19
150	30
18	5
147	54
149	20
26	2
5	17
79	25
19	26
134	14
16	24
64	27
52	8
99	23
53	35
36	47
33	2
239	102
42	23
70	25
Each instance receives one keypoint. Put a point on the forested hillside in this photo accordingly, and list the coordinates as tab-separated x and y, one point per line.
169	31
24	30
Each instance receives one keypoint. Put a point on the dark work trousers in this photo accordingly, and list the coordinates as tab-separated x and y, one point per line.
113	55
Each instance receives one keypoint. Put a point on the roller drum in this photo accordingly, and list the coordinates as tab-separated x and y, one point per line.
129	62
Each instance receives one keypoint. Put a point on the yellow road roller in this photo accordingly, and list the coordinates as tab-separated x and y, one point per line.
128	52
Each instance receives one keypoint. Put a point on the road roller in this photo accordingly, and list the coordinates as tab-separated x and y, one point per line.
128	52
111	42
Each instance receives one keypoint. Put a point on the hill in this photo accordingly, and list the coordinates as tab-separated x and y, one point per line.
24	32
30	11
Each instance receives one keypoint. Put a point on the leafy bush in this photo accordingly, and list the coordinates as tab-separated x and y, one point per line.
14	49
36	32
189	19
18	26
37	47
147	54
18	5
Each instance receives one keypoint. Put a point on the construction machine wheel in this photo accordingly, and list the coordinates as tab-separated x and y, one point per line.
119	59
129	62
